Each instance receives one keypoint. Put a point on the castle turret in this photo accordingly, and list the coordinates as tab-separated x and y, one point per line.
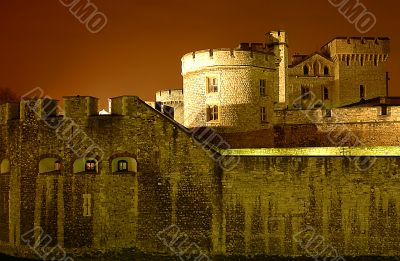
278	42
360	68
231	89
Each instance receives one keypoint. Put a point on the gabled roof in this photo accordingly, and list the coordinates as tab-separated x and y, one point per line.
304	58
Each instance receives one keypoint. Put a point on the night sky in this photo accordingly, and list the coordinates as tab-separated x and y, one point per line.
139	50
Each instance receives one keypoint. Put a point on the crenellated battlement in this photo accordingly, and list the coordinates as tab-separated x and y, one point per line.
244	55
358	45
169	96
80	106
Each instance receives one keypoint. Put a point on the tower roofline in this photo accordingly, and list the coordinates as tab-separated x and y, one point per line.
356	38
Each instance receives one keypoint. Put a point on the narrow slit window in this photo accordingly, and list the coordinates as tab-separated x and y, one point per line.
326	93
263	114
362	91
262	87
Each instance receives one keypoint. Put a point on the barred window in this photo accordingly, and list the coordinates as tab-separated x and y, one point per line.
263	84
212	85
91	166
263	114
212	113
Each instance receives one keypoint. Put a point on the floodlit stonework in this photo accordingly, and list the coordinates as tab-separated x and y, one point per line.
153	181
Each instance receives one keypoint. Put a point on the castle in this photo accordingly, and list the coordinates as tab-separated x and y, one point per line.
305	162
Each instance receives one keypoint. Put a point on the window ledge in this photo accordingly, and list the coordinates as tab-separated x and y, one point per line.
124	173
54	172
86	173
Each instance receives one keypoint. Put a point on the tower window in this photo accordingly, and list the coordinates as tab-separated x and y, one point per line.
326	70
384	110
376	61
91	166
326	93
305	92
263	114
122	165
212	113
362	61
306	70
362	91
263	83
348	61
212	85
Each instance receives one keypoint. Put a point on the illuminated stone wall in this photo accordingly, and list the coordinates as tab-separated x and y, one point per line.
257	207
127	209
268	200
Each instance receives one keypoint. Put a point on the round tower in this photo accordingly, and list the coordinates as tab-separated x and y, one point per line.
231	90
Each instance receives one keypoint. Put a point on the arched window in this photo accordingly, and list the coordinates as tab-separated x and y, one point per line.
122	165
91	166
5	166
306	70
48	165
326	70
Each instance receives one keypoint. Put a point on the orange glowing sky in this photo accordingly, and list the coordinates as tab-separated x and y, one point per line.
139	50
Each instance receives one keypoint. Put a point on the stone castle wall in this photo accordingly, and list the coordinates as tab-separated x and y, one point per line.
127	209
255	207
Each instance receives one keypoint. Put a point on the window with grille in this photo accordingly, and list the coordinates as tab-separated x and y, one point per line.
212	84
212	113
263	114
263	84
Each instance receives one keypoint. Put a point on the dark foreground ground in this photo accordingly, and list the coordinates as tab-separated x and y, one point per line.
269	258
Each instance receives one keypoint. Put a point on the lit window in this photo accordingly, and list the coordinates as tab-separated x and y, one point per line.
362	91
122	165
57	165
263	114
212	85
212	113
326	93
263	83
305	92
90	166
306	70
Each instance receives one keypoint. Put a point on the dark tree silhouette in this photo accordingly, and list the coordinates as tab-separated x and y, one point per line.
7	95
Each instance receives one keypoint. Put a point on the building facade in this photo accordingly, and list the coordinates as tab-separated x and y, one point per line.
243	89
